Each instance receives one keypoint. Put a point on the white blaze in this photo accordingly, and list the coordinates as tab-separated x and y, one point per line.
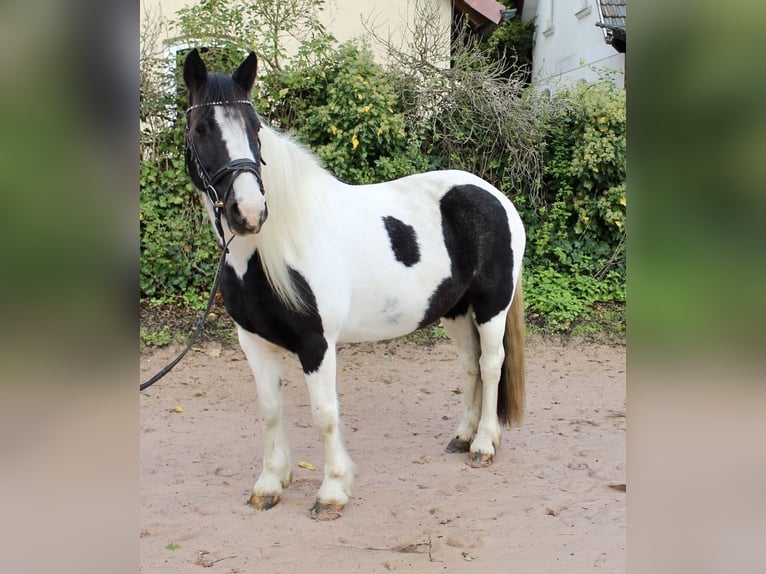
247	192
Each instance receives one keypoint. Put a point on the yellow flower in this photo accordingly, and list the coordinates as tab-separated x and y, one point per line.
585	219
334	130
360	96
623	202
380	131
354	141
366	108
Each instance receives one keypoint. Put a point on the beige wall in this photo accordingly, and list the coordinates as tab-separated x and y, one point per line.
344	18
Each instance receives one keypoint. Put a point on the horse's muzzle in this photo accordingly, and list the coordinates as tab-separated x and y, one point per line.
241	224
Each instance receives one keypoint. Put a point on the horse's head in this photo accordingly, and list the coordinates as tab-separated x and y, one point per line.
223	153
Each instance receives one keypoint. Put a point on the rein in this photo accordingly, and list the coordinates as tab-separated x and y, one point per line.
234	167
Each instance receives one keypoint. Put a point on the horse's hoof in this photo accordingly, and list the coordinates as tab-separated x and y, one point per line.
480	459
458	445
263	502
326	511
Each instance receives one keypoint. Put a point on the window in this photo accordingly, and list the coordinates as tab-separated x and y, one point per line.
548	27
584	9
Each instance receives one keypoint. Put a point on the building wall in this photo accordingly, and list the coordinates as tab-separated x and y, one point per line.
344	18
568	44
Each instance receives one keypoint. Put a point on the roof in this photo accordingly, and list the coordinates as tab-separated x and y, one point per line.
613	12
481	10
613	15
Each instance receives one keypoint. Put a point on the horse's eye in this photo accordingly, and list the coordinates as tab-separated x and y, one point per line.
201	130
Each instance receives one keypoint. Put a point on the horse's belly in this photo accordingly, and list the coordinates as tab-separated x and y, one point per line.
378	316
356	332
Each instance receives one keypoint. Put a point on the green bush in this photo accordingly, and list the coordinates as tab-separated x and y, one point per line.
345	109
178	246
576	227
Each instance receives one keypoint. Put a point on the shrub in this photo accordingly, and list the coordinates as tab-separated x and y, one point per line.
178	246
345	109
576	227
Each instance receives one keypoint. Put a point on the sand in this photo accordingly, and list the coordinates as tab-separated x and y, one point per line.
553	501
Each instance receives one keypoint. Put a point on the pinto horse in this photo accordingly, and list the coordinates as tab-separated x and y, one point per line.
313	262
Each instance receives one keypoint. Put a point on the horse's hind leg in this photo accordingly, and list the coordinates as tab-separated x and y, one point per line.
462	331
266	363
482	451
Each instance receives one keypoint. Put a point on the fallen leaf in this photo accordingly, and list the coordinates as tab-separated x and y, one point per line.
467	557
307	465
213	349
177	409
620	487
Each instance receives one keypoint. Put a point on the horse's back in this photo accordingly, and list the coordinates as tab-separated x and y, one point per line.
435	184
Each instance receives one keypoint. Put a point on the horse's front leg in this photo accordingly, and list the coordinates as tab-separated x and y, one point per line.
267	365
338	469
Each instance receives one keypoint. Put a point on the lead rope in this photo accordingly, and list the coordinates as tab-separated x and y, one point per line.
200	323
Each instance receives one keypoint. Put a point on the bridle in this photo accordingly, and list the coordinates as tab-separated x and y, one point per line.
233	168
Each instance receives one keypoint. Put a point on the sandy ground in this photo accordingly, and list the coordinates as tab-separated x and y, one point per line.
553	501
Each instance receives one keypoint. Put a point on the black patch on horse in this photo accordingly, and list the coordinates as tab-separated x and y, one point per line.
478	240
253	305
404	241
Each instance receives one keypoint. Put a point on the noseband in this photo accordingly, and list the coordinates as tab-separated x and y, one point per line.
234	167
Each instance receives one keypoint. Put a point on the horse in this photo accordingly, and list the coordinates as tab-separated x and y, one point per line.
312	262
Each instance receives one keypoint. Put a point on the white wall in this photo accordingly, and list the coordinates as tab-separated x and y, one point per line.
568	44
344	18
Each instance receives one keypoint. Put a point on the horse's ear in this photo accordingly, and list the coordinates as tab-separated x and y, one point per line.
195	72
245	74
